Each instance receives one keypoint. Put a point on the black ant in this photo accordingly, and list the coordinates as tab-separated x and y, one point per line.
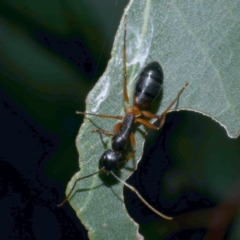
147	89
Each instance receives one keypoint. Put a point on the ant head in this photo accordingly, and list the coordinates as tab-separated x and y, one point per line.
109	160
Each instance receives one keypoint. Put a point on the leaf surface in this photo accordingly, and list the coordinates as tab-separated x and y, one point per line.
194	42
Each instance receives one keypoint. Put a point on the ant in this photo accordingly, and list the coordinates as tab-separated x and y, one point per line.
148	87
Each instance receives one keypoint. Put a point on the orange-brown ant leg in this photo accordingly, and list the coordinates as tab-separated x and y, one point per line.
100	115
151	115
133	142
103	132
162	120
148	114
147	124
116	129
125	94
163	115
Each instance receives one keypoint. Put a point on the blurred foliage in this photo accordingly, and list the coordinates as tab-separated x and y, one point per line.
50	60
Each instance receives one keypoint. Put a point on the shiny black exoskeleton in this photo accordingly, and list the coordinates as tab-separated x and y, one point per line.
120	138
148	86
109	160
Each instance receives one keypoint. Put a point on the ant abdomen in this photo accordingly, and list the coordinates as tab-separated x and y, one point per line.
148	85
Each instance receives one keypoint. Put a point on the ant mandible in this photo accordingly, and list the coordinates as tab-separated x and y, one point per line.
148	87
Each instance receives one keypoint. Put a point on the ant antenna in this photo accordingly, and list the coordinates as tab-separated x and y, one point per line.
143	200
78	179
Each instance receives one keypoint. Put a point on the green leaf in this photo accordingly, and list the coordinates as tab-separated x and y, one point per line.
194	42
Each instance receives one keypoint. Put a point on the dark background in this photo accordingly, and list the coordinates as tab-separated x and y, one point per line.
39	126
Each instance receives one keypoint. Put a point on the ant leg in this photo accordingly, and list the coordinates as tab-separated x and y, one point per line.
78	179
163	115
103	132
148	114
100	115
141	198
125	94
147	124
133	142
116	129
